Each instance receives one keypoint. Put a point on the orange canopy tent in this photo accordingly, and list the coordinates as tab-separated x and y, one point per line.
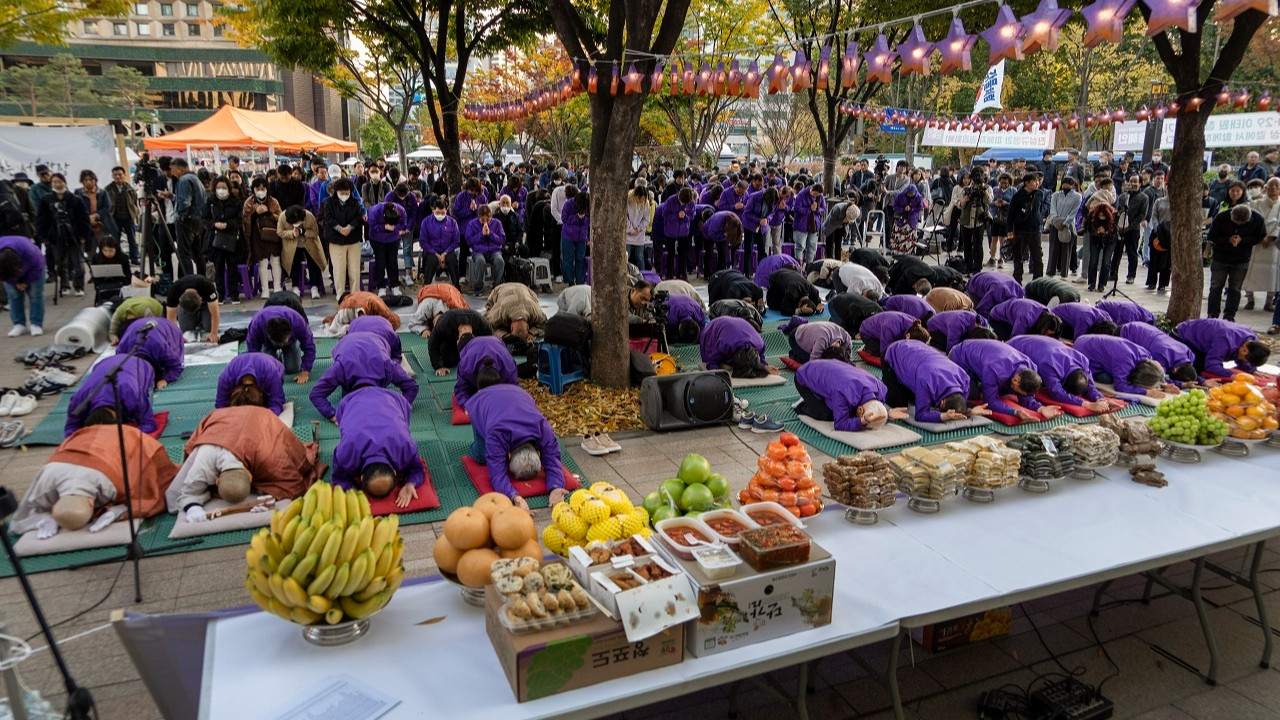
233	128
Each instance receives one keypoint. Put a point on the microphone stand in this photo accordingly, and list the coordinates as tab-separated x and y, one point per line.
134	551
79	701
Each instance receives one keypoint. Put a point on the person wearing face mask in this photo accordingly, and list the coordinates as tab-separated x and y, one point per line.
1264	264
344	231
225	247
485	236
1132	210
409	203
440	238
512	227
62	226
388	223
834	391
97	204
376	186
260	219
465	206
300	240
1219	186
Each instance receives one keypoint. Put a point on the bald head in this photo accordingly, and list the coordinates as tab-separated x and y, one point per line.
233	485
73	512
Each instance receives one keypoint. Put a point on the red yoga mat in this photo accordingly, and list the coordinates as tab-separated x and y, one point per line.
479	475
460	416
869	359
162	421
1077	410
1011	420
426	500
791	363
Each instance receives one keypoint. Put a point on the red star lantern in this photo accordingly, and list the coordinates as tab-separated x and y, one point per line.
632	80
593	81
1228	9
751	81
721	79
1169	14
801	77
704	80
1105	19
777	74
823	78
1264	100
915	52
733	84
655	80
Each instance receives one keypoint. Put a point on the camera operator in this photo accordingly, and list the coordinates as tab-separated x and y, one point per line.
154	178
969	200
189	206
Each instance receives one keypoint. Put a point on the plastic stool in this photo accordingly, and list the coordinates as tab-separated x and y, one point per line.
650	277
541	273
303	287
558	366
789	249
248	281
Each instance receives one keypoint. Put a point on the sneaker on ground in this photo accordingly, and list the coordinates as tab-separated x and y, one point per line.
190	336
746	420
592	445
315	293
24	405
79	293
7	401
382	292
740	402
35	330
608	443
765	424
265	294
18	331
395	292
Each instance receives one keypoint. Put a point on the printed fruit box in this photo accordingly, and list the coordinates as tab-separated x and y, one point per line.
545	663
964	630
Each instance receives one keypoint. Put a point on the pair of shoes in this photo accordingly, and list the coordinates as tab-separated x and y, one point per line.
35	330
16	403
315	293
18	331
12	432
758	423
1079	280
599	443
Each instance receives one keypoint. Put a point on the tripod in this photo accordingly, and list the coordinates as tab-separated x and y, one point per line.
134	551
79	701
1115	290
163	258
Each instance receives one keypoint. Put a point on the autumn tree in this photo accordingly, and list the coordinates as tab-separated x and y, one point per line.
494	84
1197	84
384	80
67	85
622	32
46	21
441	37
786	126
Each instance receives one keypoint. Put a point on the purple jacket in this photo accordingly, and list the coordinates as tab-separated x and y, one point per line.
381	327
30	259
1123	313
136	378
412	207
913	305
770	263
713	228
472	358
257	338
994	364
1055	361
930	376
162	346
1114	356
989	288
683	307
462	211
954	325
575	229
1019	313
1219	341
517	198
804	219
756	211
378	231
373	424
723	336
674	226
1164	349
481	243
506	417
886	327
1078	317
438	236
729	198
843	388
815	337
360	360
267	373
908	205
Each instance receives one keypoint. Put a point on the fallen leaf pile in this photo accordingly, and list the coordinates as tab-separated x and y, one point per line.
587	407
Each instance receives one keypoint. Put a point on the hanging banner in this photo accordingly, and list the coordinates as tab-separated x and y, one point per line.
1256	129
990	91
67	150
1042	139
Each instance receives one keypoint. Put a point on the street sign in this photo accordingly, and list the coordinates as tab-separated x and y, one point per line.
893	128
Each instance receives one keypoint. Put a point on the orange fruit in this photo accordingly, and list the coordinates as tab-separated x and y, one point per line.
490	503
467	528
1270	423
1256	412
512	528
1236	411
446	556
1244	378
530	549
475	566
1230	398
1247	423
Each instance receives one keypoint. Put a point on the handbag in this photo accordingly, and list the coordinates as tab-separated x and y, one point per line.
225	241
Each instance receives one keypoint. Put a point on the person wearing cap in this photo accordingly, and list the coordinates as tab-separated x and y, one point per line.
237	451
43	187
82	484
851	398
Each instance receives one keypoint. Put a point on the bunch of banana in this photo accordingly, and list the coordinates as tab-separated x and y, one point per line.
325	558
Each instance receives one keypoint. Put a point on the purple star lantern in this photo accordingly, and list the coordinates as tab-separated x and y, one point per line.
1043	26
915	52
880	60
1005	37
1106	21
849	65
1168	14
1228	9
956	48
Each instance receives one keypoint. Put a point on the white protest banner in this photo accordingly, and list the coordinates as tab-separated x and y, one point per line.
1041	139
1128	136
990	90
1256	129
67	150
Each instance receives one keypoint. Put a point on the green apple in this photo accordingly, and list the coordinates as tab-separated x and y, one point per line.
697	497
666	512
670	491
693	513
652	502
719	486
694	469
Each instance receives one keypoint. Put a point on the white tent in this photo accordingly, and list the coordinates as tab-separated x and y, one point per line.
426	152
349	162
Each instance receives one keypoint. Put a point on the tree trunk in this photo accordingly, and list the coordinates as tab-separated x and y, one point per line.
404	161
1185	183
614	136
829	154
450	139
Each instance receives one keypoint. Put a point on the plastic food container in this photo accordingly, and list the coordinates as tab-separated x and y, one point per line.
727	524
673	532
774	547
770	513
536	624
716	563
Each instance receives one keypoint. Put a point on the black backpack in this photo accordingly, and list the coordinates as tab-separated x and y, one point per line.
520	270
571	331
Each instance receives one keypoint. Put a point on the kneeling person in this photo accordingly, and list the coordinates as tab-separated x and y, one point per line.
252	379
1064	370
283	333
733	344
838	392
484	361
360	360
515	441
1001	370
916	373
376	453
134	380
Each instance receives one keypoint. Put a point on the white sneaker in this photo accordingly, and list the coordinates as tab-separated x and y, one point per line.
35	330
79	293
23	405
7	402
265	293
315	293
18	331
190	336
382	292
395	291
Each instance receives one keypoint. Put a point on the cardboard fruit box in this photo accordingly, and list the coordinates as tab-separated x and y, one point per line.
544	663
965	630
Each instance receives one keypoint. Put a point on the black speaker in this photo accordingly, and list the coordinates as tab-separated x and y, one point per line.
685	400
